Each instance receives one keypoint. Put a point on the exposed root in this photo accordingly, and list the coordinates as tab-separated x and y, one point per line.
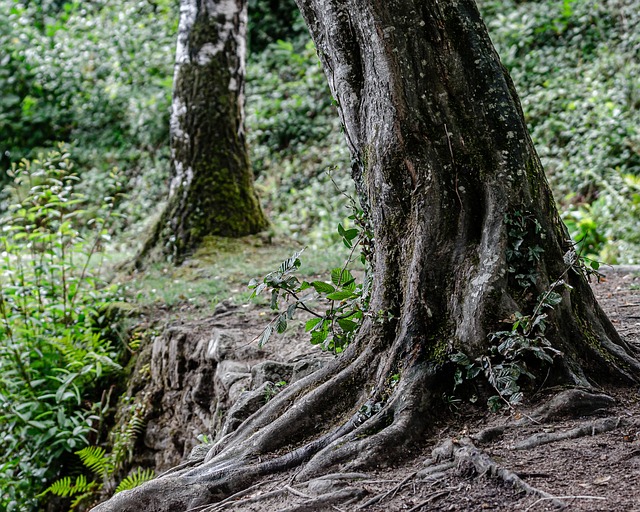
590	428
573	403
433	472
468	455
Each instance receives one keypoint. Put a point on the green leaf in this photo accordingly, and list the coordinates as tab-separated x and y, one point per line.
341	295
318	337
138	477
347	325
342	277
310	324
274	299
552	299
281	323
95	459
266	334
350	234
322	287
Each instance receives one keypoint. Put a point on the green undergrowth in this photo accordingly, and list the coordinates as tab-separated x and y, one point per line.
58	341
575	66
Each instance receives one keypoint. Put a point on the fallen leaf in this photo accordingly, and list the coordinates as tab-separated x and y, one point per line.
602	480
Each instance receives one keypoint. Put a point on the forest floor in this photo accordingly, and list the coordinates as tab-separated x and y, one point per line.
585	456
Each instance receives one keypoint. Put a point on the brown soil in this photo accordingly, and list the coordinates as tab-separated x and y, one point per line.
593	472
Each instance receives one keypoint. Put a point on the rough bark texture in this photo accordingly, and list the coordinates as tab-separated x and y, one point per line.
212	188
443	160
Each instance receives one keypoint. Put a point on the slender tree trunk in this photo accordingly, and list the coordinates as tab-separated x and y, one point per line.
212	188
466	235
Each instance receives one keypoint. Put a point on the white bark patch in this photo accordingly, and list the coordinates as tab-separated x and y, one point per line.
178	110
188	15
207	52
181	180
217	10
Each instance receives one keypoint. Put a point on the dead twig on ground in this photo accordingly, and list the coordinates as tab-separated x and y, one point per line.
392	492
539	500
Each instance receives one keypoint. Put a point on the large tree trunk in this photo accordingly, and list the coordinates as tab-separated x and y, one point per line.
445	167
211	191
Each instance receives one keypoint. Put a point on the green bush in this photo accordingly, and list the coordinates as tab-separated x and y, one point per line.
98	76
54	325
273	20
295	139
576	70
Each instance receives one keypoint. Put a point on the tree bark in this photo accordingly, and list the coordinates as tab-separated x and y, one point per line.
445	167
211	191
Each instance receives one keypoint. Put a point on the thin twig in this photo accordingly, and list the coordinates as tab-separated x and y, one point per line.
432	497
383	495
563	498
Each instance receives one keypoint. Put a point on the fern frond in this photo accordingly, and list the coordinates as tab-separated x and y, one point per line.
64	488
95	459
60	487
138	477
136	425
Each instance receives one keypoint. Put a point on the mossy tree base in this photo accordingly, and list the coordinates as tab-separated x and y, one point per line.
212	189
443	160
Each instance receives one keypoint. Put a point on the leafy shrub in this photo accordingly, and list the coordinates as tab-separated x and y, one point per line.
273	20
334	325
101	464
53	324
98	76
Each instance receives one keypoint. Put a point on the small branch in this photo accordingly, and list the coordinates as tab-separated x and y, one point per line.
391	492
433	497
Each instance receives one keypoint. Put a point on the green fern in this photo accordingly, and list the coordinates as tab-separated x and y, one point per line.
64	488
138	477
96	459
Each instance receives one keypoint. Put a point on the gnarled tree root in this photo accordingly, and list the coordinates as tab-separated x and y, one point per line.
467	455
590	428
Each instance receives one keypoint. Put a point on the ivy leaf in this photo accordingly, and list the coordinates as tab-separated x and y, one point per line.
553	299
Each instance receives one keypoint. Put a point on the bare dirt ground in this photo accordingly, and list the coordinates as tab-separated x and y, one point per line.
584	457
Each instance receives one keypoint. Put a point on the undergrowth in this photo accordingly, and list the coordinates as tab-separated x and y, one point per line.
54	328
